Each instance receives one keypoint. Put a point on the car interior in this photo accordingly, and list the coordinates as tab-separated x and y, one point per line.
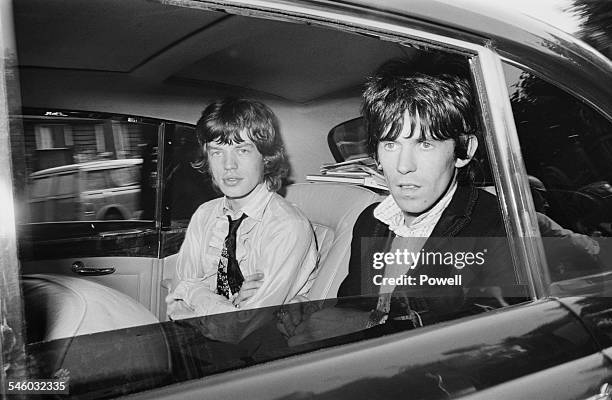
94	95
95	99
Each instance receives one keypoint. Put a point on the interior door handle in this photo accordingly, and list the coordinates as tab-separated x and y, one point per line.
79	268
605	393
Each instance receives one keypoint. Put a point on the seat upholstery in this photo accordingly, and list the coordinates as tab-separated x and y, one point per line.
332	209
61	306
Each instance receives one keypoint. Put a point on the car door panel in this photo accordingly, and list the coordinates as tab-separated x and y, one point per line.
168	268
135	276
596	314
129	247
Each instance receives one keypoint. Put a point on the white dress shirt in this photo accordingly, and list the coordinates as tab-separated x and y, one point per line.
275	238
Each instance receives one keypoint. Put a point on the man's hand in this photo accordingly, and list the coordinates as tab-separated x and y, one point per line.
290	316
249	287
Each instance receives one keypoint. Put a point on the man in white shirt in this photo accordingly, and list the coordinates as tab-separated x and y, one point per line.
269	256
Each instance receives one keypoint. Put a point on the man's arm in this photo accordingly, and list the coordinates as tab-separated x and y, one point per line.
288	258
191	295
188	261
549	228
249	287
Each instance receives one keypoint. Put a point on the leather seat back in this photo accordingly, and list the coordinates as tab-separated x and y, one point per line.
332	209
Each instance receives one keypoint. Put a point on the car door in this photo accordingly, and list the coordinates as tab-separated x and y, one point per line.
84	229
564	140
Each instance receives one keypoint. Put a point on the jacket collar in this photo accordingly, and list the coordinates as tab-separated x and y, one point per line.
458	213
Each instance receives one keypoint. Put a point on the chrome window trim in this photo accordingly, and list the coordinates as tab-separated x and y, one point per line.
509	171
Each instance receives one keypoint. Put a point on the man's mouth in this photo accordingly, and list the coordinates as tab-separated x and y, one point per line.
408	186
231	181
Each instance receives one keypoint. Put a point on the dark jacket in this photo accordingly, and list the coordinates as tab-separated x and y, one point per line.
471	222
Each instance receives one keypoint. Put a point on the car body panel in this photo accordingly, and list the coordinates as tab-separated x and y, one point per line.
455	358
579	379
596	313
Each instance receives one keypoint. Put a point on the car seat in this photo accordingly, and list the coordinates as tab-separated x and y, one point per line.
332	209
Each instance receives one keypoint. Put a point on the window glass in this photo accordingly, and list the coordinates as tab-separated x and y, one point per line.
495	285
96	180
125	176
103	153
567	148
187	181
66	184
41	187
53	136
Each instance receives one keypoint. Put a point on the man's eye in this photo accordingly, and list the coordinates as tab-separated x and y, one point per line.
389	146
214	153
426	144
243	151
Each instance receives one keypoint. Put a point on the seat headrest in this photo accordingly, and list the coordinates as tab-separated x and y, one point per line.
331	204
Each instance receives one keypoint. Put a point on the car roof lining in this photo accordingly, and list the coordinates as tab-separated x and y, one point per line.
161	43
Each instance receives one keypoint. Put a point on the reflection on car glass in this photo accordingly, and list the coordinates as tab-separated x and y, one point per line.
564	143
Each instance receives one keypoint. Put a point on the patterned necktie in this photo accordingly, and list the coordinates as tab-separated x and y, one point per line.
229	276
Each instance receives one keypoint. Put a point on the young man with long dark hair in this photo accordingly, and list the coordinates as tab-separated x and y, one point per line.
423	131
250	248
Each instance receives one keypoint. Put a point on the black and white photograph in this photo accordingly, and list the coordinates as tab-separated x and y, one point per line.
306	199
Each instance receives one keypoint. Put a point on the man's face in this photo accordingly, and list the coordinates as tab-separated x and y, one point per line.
418	171
236	168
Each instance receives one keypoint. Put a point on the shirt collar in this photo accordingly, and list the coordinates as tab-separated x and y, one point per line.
254	208
389	213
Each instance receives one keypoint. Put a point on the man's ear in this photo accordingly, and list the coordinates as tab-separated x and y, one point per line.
472	145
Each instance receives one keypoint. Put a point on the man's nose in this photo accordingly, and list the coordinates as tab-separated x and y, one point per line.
229	161
405	161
